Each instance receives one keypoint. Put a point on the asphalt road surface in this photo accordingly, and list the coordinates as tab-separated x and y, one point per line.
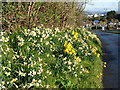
111	55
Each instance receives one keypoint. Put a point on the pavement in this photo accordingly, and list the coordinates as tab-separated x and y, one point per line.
111	49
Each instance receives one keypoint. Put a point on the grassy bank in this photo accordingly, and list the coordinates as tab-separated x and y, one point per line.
47	58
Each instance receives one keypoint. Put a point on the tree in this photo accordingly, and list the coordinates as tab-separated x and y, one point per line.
110	15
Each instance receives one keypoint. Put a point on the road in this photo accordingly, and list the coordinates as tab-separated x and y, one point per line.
111	48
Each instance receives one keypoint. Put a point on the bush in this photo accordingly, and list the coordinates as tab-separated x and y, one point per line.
32	14
47	58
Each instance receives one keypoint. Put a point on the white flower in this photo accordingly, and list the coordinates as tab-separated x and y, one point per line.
48	55
69	67
7	73
15	85
28	48
37	84
32	84
65	62
42	25
3	86
25	63
8	49
66	35
3	68
33	33
57	29
4	39
13	57
20	39
72	68
75	75
83	69
2	33
30	58
34	80
40	64
64	58
60	55
53	55
39	59
22	74
69	63
47	86
81	66
44	35
39	81
39	72
80	72
34	72
20	43
41	69
3	82
41	39
7	82
30	73
47	43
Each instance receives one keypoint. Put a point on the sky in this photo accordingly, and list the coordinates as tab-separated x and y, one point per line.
102	5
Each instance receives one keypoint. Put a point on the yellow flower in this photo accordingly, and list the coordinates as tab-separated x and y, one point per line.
65	44
97	76
69	45
75	57
77	60
66	50
70	53
98	55
87	71
13	80
101	74
105	63
93	50
73	32
104	66
74	53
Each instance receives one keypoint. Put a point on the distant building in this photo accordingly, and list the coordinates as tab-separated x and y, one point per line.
96	15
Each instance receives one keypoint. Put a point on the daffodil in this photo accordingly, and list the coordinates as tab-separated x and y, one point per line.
37	84
22	74
73	32
87	71
4	39
98	55
7	73
20	43
101	74
14	80
97	76
104	65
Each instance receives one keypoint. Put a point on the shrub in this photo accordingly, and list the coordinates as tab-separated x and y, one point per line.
32	14
47	58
